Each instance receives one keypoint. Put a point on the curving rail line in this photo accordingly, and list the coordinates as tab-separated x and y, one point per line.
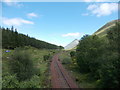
59	76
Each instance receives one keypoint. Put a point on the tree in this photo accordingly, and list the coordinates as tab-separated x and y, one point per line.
72	53
110	70
12	28
12	39
89	50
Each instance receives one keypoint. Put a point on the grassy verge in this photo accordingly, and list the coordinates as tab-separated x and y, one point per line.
83	80
40	80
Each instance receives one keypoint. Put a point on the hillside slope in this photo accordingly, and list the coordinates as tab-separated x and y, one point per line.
103	30
72	45
12	39
100	32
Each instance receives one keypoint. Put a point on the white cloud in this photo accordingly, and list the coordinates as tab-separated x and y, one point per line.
103	9
15	21
32	15
12	3
92	6
77	34
56	42
7	0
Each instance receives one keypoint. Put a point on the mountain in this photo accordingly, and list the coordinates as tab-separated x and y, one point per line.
104	29
100	32
72	45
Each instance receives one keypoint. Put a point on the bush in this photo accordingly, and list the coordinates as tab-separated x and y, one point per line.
9	81
72	53
22	65
34	82
46	57
108	71
66	61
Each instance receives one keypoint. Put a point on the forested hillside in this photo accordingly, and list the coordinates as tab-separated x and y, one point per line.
12	39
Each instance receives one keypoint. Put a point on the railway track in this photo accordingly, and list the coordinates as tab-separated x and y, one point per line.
60	78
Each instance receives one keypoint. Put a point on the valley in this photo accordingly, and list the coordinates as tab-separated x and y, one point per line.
26	66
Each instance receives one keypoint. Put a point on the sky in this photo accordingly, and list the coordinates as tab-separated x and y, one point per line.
58	22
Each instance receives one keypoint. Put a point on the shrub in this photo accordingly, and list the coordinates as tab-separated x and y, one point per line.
73	57
34	82
46	57
108	71
9	81
66	61
22	65
72	53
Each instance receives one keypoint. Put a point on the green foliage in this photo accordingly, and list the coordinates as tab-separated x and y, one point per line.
72	53
89	49
66	61
34	82
100	57
9	81
40	77
65	58
73	58
22	65
111	69
83	80
46	57
61	47
12	39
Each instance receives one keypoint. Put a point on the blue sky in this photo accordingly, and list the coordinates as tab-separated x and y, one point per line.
57	22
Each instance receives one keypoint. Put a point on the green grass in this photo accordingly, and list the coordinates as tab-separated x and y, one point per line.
6	57
65	58
41	79
82	80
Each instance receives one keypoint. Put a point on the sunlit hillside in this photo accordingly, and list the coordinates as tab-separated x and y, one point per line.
103	30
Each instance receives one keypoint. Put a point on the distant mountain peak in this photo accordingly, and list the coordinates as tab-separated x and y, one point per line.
72	45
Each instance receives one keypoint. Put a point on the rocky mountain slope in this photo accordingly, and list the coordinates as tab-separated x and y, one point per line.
72	45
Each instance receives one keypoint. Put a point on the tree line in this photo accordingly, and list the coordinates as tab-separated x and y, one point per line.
12	39
100	57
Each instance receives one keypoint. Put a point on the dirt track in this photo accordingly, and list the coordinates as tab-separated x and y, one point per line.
60	77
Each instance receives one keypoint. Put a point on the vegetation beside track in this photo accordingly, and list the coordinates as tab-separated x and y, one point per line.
39	78
96	61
